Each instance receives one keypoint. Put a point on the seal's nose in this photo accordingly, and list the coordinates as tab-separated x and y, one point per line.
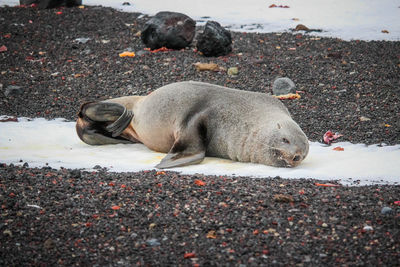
297	158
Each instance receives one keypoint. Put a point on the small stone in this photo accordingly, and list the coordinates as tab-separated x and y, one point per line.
283	86
82	40
283	198
206	66
142	52
13	90
386	211
134	235
301	27
362	118
233	71
368	228
324	225
215	40
153	242
48	244
7	232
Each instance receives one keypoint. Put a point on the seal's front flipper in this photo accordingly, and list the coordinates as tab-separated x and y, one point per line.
118	126
92	137
190	144
180	159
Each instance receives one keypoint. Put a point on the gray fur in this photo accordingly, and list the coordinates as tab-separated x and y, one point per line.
193	119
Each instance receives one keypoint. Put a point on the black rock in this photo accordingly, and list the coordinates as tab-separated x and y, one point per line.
51	3
28	2
168	29
215	40
13	90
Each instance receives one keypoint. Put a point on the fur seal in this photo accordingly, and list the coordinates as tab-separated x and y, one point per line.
191	120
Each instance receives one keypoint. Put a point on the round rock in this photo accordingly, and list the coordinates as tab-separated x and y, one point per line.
215	40
283	86
168	29
13	90
386	211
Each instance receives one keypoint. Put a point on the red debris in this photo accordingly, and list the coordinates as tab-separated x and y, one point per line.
3	48
162	49
280	6
15	119
199	182
327	185
189	255
329	137
338	148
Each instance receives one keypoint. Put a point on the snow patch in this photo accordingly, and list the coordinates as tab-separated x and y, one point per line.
41	142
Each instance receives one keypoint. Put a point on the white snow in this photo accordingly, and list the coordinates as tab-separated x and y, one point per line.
39	142
354	19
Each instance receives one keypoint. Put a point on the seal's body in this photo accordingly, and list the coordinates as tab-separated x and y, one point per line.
189	120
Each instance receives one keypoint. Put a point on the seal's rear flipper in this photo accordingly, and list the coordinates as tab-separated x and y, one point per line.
180	159
102	111
91	137
101	123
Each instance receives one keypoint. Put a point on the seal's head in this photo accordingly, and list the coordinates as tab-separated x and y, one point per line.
287	144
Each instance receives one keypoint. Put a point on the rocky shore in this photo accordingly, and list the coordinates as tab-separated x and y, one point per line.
53	60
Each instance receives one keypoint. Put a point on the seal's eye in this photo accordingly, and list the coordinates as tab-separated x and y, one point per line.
285	141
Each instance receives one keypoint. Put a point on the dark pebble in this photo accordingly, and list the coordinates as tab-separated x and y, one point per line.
13	90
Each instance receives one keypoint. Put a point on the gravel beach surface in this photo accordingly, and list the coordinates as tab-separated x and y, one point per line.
54	60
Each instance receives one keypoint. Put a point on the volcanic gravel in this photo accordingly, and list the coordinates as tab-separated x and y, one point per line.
74	217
